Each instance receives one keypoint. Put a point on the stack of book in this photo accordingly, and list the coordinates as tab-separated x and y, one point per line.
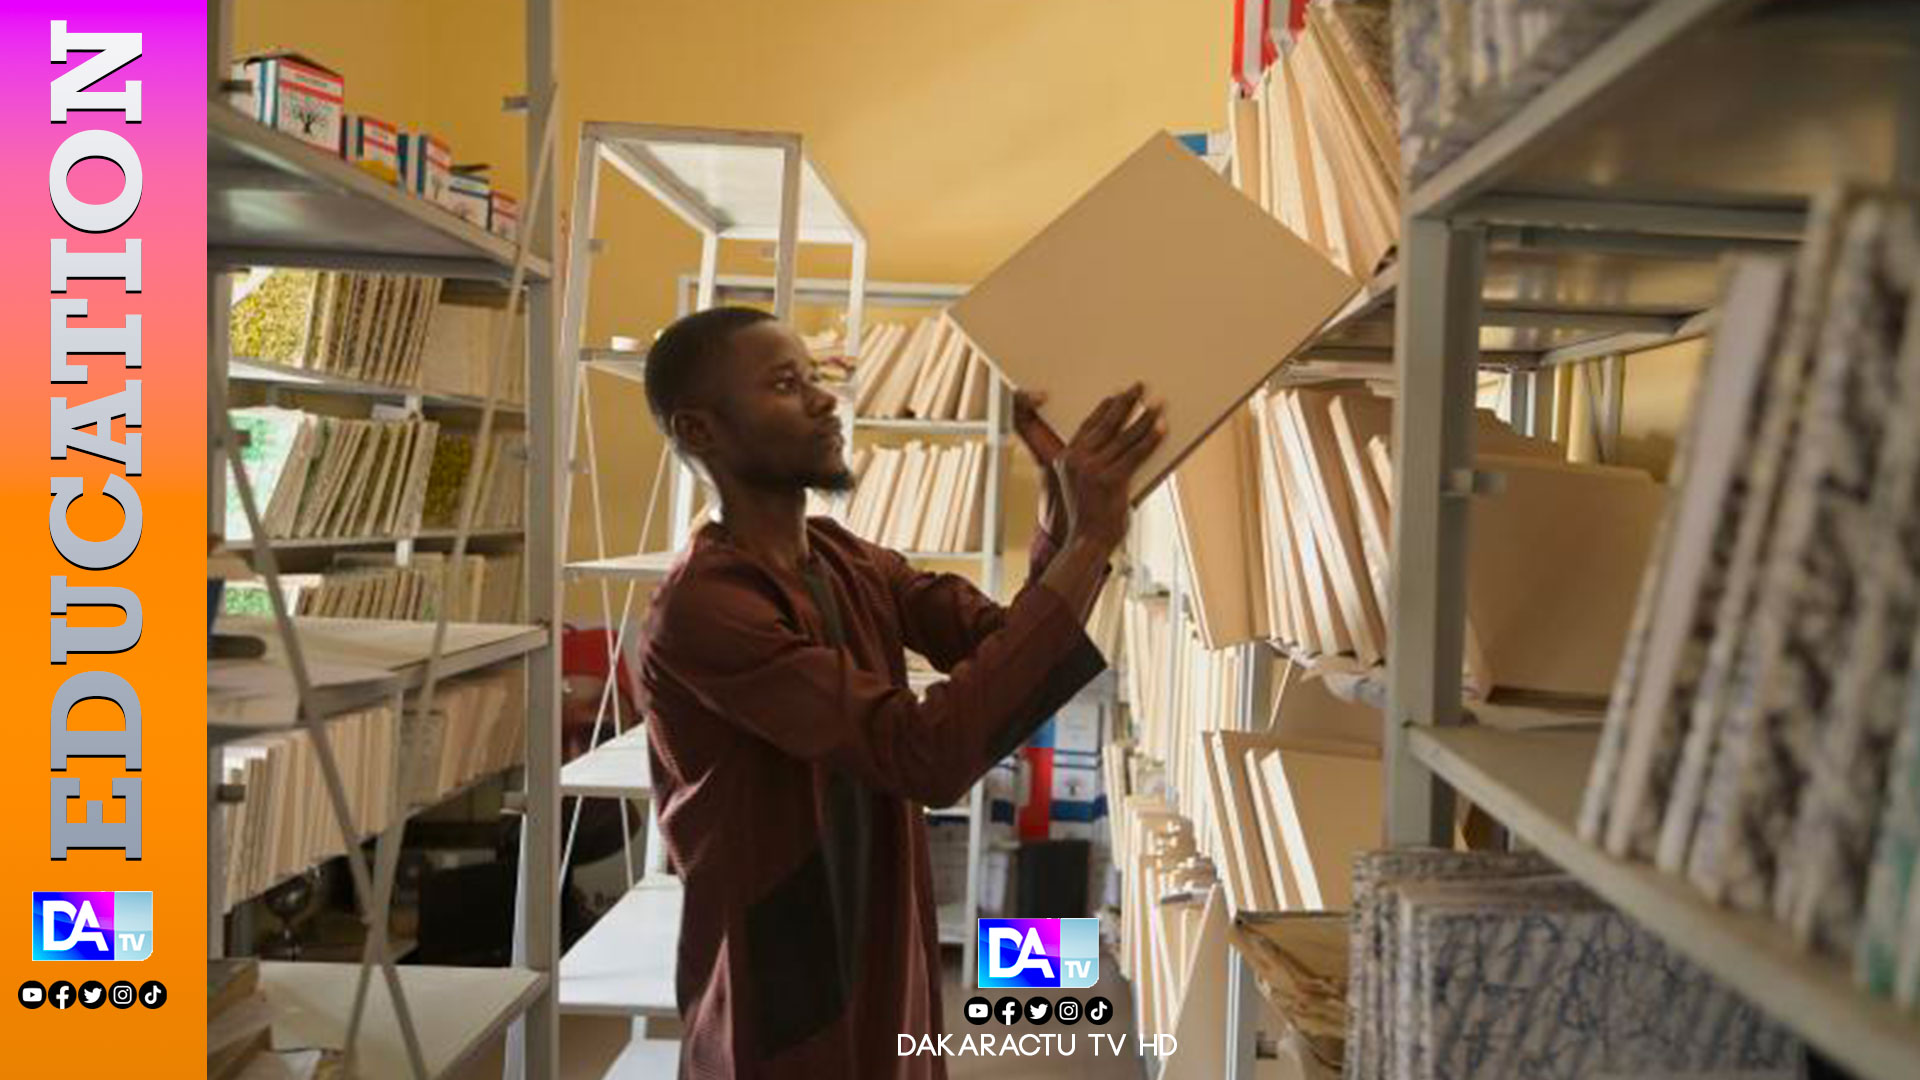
499	503
930	372
486	588
1463	66
920	497
1300	964
285	823
389	329
476	727
322	476
1320	493
1317	145
1473	965
1765	728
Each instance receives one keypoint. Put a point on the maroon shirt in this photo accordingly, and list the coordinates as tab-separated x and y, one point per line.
791	763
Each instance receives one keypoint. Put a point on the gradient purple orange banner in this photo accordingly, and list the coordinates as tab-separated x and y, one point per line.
105	615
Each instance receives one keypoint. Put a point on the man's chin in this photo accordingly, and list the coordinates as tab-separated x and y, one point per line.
835	482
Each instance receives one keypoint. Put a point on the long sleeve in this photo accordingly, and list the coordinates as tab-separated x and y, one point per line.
727	641
943	617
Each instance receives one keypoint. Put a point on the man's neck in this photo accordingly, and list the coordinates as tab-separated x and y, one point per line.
770	524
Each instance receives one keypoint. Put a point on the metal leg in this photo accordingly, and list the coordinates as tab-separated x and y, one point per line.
1243	1016
1436	348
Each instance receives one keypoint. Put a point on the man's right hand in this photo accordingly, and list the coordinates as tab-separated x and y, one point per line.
1096	467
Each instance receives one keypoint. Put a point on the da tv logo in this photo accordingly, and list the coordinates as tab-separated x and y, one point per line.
92	925
1039	952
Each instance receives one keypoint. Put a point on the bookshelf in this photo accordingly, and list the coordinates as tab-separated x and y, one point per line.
1594	167
276	202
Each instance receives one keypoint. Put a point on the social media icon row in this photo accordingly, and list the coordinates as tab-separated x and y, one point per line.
1038	1010
92	995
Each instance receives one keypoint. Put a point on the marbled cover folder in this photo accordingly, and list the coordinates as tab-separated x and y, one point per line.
1753	500
1369	994
1811	588
1545	984
1825	865
1896	848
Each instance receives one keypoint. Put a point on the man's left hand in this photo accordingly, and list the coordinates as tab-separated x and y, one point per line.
1044	445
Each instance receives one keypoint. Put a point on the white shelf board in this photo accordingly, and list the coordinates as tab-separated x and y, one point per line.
625	363
248	369
1532	782
646	1059
273	200
455	1011
645	566
879	294
398	647
624	966
249	696
424	535
729	181
618	768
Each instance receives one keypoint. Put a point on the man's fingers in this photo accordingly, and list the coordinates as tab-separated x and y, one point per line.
1111	414
1142	426
1143	446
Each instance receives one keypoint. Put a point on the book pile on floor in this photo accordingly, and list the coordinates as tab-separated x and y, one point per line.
1765	733
367	585
1472	965
920	497
285	823
239	1020
1463	66
929	372
390	329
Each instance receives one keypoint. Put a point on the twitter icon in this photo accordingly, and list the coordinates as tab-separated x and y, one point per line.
1038	1009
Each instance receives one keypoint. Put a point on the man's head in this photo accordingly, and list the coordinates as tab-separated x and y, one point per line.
736	390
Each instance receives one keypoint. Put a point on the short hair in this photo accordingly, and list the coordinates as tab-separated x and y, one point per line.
680	357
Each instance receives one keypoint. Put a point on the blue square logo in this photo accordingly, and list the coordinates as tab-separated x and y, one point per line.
92	925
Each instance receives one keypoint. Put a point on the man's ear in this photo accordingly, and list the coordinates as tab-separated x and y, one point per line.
693	429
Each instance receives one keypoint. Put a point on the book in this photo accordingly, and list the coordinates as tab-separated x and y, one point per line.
1107	294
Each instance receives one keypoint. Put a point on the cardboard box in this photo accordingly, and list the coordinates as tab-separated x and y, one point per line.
426	164
503	216
469	195
295	94
374	145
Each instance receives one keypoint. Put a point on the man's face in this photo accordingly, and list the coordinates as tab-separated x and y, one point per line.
774	427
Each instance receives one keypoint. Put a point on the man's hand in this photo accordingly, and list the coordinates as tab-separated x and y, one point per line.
1095	470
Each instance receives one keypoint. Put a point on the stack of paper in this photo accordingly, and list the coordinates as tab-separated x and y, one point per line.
461	338
239	1019
320	476
1486	965
921	496
475	727
500	501
930	372
1535	632
1321	126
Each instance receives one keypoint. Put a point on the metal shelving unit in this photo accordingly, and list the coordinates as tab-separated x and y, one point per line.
275	201
1803	95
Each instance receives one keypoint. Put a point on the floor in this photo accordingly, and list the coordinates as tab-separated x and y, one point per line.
590	1043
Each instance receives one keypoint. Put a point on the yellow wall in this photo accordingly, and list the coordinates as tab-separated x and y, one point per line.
954	130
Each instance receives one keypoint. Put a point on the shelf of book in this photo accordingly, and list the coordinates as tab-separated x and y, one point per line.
1531	781
424	536
921	427
273	200
246	369
456	1011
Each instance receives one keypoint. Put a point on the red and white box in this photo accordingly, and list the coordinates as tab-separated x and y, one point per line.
295	94
374	145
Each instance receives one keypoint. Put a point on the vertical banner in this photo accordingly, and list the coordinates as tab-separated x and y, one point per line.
102	492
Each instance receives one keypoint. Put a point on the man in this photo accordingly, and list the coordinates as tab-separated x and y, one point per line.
789	756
